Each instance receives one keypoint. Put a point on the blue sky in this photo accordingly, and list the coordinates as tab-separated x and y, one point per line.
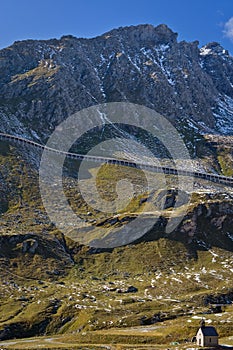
203	20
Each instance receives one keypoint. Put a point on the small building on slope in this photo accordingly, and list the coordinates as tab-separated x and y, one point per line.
207	335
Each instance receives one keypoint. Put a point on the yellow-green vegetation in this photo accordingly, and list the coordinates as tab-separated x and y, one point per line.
74	295
45	70
226	162
91	304
221	153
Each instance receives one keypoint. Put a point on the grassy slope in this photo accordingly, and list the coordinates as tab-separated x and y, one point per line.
83	303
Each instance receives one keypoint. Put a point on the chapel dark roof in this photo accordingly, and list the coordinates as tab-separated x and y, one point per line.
209	331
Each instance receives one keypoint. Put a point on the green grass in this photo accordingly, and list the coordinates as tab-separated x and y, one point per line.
226	164
82	304
106	314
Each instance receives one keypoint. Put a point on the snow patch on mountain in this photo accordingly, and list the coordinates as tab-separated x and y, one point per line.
204	51
158	57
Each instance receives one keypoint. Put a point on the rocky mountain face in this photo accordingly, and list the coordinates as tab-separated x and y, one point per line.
43	82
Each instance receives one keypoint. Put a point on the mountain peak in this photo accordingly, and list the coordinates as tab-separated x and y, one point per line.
141	64
213	48
145	33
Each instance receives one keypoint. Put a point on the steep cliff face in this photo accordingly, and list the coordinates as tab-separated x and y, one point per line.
43	82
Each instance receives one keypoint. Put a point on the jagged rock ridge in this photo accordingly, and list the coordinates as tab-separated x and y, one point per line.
42	82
